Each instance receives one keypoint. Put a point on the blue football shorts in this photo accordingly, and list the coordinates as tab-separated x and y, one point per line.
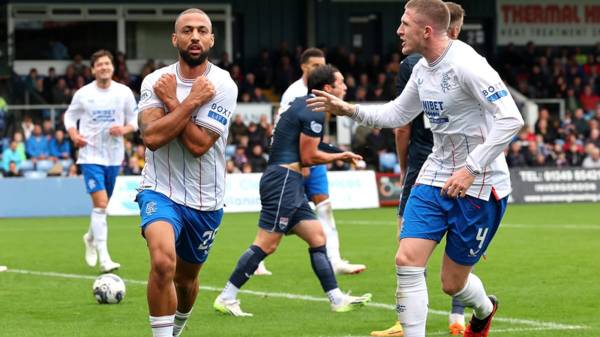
283	201
316	183
100	177
195	230
470	223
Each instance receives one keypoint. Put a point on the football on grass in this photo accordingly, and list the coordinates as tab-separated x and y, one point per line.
109	289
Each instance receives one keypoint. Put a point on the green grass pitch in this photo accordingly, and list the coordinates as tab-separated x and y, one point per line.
544	266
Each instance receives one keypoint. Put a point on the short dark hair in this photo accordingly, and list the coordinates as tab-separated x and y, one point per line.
310	52
101	53
190	11
321	76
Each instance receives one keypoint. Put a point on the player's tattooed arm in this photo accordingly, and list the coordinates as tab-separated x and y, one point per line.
152	124
198	139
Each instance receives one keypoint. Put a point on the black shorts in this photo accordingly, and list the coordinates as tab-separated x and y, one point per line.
283	201
409	180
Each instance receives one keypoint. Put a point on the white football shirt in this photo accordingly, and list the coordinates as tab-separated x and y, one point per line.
295	90
472	114
197	182
98	110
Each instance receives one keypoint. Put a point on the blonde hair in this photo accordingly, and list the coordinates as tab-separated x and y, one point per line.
457	13
434	13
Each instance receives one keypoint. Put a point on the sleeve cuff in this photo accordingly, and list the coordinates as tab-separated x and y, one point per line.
472	167
354	114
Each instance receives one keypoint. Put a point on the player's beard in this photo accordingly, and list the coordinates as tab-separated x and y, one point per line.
193	61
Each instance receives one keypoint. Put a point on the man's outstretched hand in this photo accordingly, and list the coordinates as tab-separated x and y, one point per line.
329	103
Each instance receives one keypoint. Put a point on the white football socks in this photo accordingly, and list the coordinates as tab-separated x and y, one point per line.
100	233
179	322
325	216
229	292
162	326
473	295
336	296
456	318
412	300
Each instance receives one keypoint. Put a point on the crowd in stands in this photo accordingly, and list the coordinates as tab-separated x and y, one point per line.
33	143
571	74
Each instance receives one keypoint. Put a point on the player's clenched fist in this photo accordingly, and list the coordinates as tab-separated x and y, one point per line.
166	88
78	140
202	91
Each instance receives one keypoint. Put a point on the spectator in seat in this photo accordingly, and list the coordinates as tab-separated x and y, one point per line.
10	156
240	158
264	126
60	93
18	137
48	129
13	170
593	159
257	135
70	76
589	99
49	83
572	101
515	156
247	168
133	167
72	171
37	145
237	129
594	137
531	152
257	159
548	134
249	84
581	125
231	168
575	154
259	96
60	149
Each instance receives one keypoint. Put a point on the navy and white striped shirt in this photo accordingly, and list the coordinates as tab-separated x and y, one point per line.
172	170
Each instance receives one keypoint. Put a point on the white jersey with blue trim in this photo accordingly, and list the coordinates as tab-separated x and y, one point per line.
196	182
472	114
97	110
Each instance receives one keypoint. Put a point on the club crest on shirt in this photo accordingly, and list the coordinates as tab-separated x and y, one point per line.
145	95
316	127
449	81
150	208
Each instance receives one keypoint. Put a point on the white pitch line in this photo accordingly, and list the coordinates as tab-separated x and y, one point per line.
495	331
507	225
537	325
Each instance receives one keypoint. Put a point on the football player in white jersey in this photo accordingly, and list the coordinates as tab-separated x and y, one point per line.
106	110
463	187
316	184
413	144
185	110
